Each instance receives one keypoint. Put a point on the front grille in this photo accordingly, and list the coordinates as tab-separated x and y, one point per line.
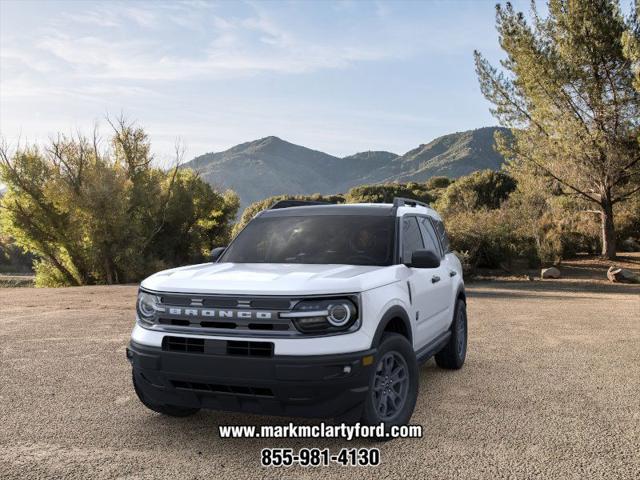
278	326
226	325
183	344
269	326
217	388
225	315
210	302
250	349
271	303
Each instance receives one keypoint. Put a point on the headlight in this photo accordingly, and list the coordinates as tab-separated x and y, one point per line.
340	314
324	316
147	306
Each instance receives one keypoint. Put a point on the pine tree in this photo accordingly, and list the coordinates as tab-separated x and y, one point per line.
566	89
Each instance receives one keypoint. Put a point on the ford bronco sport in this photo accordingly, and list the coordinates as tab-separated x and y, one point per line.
313	310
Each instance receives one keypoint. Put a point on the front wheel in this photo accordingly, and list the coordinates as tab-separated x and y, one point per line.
453	354
393	386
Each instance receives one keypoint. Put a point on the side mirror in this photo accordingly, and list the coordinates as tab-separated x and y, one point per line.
216	253
424	259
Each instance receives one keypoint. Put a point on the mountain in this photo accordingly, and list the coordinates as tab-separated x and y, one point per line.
360	164
272	166
452	156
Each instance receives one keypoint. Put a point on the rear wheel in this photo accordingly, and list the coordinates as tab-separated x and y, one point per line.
452	356
393	386
170	410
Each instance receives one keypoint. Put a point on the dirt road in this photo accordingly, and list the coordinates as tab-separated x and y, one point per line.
551	389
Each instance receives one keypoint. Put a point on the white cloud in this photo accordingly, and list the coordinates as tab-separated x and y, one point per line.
235	47
141	16
70	47
110	16
99	17
176	63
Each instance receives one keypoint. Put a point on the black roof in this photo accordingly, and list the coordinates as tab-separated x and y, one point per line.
332	209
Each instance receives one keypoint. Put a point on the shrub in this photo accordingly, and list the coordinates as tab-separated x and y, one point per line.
435	183
482	189
465	260
385	193
490	238
92	216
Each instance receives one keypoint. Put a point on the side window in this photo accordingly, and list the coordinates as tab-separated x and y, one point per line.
411	238
442	233
430	239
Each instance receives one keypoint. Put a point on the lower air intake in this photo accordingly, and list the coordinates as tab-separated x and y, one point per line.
183	344
228	389
250	349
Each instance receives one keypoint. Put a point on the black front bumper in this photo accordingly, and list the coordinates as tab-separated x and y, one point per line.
307	386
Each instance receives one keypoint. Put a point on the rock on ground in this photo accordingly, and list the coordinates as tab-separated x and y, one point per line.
621	275
551	272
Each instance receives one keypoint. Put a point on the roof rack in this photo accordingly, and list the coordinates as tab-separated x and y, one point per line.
297	203
408	202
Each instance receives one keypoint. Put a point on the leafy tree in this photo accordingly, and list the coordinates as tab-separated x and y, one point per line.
107	216
197	218
567	91
631	41
385	193
482	189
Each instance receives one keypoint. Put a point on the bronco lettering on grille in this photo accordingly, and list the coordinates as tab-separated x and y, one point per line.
212	313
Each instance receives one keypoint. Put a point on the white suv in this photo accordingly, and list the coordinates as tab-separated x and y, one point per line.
313	310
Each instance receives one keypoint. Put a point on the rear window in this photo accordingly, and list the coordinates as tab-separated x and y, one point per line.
411	238
430	239
442	233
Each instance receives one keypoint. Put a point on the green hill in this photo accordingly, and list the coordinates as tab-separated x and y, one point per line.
271	166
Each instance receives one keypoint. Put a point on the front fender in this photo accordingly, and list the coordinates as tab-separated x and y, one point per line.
395	311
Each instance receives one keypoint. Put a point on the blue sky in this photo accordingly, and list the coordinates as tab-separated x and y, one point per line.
340	77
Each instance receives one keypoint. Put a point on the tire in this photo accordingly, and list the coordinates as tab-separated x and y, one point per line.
394	350
452	356
169	410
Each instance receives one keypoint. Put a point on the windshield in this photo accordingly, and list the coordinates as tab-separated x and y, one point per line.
343	239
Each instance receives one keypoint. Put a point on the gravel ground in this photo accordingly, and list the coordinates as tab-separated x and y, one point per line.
550	389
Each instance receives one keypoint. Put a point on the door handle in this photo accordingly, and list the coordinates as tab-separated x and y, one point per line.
435	279
452	273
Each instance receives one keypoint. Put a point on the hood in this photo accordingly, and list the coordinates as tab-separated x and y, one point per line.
270	279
